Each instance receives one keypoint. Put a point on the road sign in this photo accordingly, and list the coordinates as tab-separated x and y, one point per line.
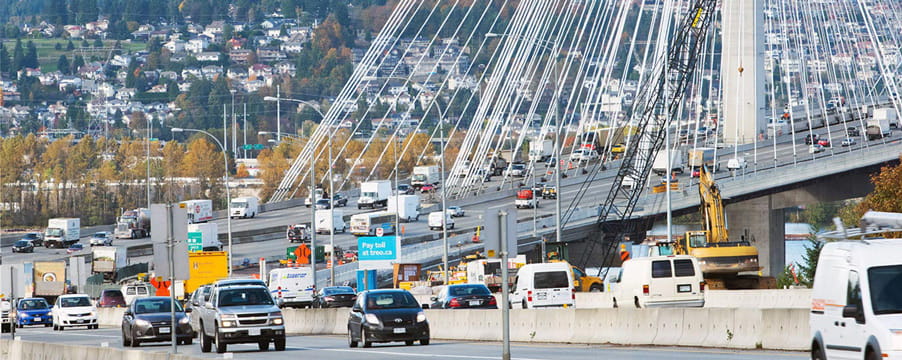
248	146
380	231
378	252
258	146
195	241
491	235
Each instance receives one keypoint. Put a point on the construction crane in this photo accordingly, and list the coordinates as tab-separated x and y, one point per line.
658	102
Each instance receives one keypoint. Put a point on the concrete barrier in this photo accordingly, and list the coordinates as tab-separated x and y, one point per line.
30	350
759	299
716	327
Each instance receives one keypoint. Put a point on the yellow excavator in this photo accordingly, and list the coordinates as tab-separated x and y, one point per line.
720	259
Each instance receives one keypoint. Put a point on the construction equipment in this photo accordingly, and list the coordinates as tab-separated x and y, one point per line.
720	259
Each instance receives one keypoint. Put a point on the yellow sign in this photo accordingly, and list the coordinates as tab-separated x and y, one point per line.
491	253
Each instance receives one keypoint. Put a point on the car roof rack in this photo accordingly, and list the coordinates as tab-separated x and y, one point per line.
872	223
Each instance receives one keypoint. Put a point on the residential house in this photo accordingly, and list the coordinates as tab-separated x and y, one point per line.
211	56
270	55
240	56
75	31
197	44
175	46
286	68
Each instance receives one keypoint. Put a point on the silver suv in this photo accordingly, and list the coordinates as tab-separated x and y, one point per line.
239	313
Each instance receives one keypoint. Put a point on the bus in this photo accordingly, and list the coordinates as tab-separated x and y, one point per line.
365	224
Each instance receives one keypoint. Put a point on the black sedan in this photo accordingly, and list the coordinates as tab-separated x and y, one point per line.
464	296
340	200
23	246
149	320
36	238
386	316
334	296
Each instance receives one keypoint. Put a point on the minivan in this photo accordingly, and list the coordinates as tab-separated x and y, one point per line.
660	281
435	220
856	303
544	285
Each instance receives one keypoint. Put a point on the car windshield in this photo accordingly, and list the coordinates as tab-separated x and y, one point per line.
239	205
391	300
21	243
75	301
54	232
112	293
100	235
468	290
32	304
30	236
247	296
338	290
886	289
151	306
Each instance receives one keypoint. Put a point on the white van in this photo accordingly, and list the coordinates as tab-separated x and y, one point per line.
856	304
435	220
292	286
660	281
243	207
544	285
137	290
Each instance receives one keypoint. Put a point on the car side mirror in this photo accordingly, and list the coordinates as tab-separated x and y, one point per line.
356	309
188	310
426	306
127	313
433	298
852	311
208	305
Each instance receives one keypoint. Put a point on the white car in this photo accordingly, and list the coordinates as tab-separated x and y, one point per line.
848	142
815	148
455	211
102	238
74	310
737	163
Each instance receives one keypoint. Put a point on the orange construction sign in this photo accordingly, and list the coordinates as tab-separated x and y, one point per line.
302	254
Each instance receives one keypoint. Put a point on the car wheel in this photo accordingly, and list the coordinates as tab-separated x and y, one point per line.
263	345
366	344
524	305
134	342
595	288
871	355
205	345
279	343
61	328
125	342
424	342
816	353
636	302
47	325
351	342
615	303
220	346
409	343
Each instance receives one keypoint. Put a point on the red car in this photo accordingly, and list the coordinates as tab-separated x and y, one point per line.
824	142
428	188
111	298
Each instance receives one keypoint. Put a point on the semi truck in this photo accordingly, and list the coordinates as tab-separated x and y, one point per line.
700	157
243	207
540	150
676	163
108	259
133	224
406	206
62	232
423	175
374	194
203	237
199	211
325	222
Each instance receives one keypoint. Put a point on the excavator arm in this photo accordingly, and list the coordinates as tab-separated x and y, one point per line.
712	208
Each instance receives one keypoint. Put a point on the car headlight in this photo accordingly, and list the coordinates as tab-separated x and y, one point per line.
421	316
91	313
277	321
228	323
23	315
372	319
142	323
184	320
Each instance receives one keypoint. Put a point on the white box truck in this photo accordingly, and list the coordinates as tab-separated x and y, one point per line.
62	232
374	194
243	207
336	221
198	210
423	175
435	220
889	114
203	237
878	128
660	164
107	259
540	150
406	206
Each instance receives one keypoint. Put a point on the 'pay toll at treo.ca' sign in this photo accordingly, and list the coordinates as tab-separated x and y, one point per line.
378	252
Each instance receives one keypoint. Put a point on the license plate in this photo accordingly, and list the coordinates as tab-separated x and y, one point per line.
542	296
475	302
399	330
80	321
253	332
164	330
684	288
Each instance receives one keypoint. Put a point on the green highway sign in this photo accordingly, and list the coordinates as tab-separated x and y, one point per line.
195	241
248	146
258	146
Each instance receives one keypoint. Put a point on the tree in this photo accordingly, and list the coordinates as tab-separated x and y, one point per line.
70	46
18	56
63	65
31	56
887	195
810	258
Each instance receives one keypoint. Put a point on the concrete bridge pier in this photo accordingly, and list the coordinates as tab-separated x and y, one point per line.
758	221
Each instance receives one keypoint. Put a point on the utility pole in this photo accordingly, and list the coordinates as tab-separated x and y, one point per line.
331	219
279	114
245	129
170	244
312	228
225	130
557	180
441	131
147	159
505	288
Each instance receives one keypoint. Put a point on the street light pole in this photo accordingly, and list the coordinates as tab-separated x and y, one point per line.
331	219
278	113
441	124
147	161
225	161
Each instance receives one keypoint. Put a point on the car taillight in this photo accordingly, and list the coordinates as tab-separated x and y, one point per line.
454	303
644	289
279	290
573	294
493	301
701	286
529	296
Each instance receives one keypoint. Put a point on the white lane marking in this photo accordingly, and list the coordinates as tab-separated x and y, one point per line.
64	333
440	356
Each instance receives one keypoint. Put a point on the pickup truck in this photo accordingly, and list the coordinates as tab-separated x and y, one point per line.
239	312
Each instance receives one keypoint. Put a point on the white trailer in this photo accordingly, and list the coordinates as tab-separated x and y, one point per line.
324	222
198	210
406	206
374	194
660	164
540	150
888	114
243	207
423	175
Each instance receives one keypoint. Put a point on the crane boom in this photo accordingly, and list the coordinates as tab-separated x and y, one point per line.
658	101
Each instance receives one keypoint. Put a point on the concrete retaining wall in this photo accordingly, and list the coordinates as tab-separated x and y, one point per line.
30	350
716	327
110	316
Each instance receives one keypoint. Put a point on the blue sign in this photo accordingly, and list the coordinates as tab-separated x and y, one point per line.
378	252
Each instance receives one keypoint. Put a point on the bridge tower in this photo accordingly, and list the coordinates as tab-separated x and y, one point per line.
742	71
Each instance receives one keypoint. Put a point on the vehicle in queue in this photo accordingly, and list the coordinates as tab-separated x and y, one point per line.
36	238
101	238
334	296
150	320
660	281
33	311
111	298
135	291
240	312
387	315
456	211
292	287
74	310
23	246
464	296
74	248
544	285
